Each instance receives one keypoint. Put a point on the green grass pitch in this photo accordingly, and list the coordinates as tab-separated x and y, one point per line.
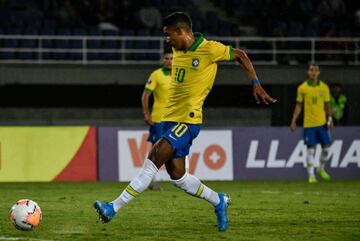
261	210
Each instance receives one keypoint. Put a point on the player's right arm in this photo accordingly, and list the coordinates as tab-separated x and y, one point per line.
149	88
220	52
258	92
145	106
297	109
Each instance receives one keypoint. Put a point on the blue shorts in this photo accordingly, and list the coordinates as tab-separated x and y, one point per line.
319	134
180	136
155	132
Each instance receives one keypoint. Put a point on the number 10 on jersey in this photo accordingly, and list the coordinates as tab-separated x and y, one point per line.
179	74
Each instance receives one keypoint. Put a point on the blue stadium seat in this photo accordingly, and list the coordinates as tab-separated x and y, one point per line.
77	44
225	29
62	44
35	24
170	2
93	44
212	22
47	43
110	44
28	43
295	29
9	43
49	24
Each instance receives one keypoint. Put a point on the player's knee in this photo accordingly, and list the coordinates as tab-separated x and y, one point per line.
160	153
325	151
176	174
311	146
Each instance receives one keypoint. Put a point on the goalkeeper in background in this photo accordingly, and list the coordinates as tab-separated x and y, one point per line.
314	94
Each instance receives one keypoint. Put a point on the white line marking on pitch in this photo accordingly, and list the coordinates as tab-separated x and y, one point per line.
270	192
22	238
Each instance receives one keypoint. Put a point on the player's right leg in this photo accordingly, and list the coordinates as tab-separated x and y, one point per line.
193	186
159	154
180	137
155	133
310	142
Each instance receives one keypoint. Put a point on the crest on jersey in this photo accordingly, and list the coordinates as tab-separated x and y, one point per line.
195	62
321	93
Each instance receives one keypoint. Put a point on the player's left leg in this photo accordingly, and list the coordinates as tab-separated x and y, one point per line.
324	139
159	154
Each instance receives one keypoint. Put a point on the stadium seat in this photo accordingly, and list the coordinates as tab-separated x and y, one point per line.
110	45
62	44
49	24
93	44
77	44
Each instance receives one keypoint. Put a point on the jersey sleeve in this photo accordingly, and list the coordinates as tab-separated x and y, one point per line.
220	52
300	94
151	82
326	93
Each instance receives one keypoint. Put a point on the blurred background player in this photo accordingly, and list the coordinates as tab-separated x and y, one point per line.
193	74
314	94
338	104
157	85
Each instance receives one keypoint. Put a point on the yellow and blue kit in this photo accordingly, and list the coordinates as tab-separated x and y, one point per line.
158	84
314	99
193	75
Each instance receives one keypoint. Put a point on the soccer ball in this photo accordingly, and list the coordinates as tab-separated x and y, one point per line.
25	214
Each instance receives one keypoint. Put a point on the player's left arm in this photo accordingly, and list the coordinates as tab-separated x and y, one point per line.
258	92
328	109
329	113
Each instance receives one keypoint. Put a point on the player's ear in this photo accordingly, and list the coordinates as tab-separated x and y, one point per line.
179	31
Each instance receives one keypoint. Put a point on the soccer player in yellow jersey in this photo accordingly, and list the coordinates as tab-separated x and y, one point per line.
315	96
157	85
193	73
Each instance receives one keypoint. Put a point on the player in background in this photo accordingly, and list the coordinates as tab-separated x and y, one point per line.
157	85
314	94
193	73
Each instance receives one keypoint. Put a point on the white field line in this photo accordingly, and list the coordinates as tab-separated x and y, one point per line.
22	238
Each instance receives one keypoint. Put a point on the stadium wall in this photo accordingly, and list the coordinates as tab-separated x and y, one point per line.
137	74
116	154
48	154
227	154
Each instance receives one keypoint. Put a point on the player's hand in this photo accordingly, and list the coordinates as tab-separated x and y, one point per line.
330	124
148	120
293	126
260	95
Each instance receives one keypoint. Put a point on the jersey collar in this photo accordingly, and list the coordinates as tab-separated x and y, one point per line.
165	71
199	40
310	83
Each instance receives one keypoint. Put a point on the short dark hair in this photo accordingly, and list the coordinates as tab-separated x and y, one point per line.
314	65
178	19
167	51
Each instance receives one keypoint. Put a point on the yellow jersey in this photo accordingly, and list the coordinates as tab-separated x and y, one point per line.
159	84
314	98
192	77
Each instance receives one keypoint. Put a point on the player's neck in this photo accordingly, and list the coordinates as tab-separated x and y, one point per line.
189	41
314	82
